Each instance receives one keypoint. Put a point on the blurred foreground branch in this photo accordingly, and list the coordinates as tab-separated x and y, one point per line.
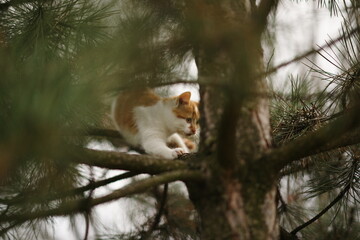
33	197
77	206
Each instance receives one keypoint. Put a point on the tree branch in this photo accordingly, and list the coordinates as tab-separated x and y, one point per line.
33	197
310	52
77	206
332	135
351	138
160	211
124	161
338	198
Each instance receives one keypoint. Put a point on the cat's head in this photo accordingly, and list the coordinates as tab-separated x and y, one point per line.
187	114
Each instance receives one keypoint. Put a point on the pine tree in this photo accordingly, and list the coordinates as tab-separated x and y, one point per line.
272	164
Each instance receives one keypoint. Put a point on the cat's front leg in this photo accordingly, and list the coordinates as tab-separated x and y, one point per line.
157	146
177	142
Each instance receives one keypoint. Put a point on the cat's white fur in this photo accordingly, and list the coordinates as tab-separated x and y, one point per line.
157	125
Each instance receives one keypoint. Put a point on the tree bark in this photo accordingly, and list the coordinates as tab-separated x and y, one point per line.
238	199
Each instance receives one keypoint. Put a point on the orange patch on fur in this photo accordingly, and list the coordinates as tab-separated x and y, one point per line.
187	110
190	144
125	104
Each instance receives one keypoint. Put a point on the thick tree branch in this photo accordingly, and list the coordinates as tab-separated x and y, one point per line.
124	161
77	206
331	136
348	139
285	235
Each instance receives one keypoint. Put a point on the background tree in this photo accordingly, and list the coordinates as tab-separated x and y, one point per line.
261	149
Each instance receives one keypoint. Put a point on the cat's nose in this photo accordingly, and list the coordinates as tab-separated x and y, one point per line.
193	130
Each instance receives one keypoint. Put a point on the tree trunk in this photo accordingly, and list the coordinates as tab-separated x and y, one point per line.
238	200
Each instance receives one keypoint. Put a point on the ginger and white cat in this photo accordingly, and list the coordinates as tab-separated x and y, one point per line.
154	123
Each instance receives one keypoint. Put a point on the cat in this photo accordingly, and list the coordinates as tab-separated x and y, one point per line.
153	123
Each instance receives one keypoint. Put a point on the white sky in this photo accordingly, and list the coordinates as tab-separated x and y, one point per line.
302	25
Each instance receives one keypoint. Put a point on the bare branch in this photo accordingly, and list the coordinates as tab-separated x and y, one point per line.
124	161
33	197
331	136
338	198
77	206
159	213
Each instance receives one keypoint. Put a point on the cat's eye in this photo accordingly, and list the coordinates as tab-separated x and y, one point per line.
189	120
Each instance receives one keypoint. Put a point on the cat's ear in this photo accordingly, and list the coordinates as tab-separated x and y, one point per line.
184	98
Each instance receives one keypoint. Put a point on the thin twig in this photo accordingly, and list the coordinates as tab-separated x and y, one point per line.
338	198
306	54
14	224
87	213
155	225
161	208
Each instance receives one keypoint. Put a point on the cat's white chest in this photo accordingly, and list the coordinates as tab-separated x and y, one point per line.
154	118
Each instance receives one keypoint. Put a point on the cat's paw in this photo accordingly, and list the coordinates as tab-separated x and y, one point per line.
177	152
169	153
